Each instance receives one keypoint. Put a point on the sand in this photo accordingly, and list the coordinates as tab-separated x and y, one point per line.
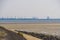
29	37
52	28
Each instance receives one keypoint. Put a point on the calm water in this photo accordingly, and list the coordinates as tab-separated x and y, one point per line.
30	21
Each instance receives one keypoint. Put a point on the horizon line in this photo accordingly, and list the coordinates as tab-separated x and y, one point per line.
29	18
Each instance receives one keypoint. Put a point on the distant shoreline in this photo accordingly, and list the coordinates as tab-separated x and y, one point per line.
34	23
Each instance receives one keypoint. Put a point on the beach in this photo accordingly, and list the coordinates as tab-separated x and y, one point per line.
52	28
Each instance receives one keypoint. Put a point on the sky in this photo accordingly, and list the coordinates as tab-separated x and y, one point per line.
30	8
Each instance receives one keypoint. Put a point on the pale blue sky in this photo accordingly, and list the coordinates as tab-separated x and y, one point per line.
30	8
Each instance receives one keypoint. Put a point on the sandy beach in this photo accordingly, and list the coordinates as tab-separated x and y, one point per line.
52	28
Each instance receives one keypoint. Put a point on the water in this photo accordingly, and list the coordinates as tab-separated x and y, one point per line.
29	20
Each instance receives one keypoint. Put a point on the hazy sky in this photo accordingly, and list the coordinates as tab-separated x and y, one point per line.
30	8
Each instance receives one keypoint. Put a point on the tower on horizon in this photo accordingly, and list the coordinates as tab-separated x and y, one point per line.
48	17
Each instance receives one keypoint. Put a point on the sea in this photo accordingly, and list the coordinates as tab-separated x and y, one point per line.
28	20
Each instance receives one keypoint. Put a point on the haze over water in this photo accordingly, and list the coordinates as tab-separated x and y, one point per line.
30	8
